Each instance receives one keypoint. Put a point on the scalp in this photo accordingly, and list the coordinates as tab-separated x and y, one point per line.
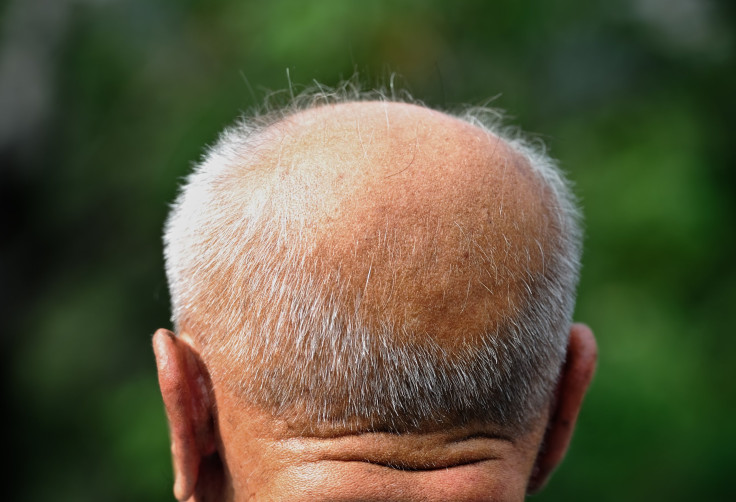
377	263
428	222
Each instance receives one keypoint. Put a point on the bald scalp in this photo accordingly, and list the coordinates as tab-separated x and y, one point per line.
433	223
378	264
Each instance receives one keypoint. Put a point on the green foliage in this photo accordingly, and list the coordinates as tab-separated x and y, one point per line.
634	98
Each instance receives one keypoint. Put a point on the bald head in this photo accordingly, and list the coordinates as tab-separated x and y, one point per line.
376	264
433	224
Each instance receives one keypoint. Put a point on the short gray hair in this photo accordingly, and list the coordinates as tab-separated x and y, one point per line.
298	350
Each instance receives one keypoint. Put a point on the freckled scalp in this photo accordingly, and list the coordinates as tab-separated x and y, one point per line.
377	262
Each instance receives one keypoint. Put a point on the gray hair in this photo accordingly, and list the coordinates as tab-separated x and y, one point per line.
231	252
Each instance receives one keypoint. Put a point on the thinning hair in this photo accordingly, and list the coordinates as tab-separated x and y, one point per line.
286	333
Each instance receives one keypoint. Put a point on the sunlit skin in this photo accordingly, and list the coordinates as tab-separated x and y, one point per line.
463	464
406	167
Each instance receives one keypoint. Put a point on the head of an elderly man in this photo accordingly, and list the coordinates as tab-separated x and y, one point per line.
373	302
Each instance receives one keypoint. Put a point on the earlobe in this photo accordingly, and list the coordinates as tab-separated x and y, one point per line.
187	409
575	378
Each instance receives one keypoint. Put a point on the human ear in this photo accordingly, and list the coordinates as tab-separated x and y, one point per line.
185	393
577	373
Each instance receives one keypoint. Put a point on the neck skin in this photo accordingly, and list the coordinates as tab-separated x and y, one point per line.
270	459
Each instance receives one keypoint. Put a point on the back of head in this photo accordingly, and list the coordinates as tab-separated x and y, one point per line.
377	265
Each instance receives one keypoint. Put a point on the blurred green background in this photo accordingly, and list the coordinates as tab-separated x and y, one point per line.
105	104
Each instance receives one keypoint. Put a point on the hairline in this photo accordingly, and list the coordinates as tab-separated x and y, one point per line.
247	132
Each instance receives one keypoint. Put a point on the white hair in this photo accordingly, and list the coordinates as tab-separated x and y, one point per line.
241	284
